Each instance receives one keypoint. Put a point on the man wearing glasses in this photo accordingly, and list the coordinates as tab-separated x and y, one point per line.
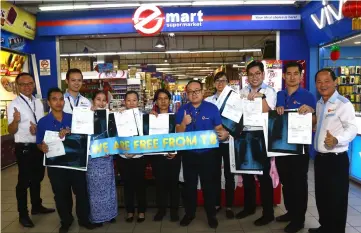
220	82
199	115
258	89
24	112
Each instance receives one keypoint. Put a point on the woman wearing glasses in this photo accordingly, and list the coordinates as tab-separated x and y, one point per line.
220	82
166	168
100	174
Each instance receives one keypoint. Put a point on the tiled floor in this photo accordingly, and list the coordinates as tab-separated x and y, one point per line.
50	223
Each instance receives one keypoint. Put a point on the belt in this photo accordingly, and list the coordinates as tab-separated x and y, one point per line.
25	144
332	154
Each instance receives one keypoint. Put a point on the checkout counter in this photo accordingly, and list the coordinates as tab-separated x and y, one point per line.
355	153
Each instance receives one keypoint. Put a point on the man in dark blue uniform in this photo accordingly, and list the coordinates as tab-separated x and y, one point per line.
199	115
293	169
63	181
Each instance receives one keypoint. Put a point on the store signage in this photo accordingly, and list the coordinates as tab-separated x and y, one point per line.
329	14
149	20
17	21
12	41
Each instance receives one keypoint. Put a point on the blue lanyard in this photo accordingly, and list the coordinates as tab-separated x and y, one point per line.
33	111
76	103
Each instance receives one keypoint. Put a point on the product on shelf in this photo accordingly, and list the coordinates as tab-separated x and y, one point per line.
349	84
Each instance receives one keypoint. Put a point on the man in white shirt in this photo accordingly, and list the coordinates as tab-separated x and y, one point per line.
336	128
72	97
258	89
24	112
221	81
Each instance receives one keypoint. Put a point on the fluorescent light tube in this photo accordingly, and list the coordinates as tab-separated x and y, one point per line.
179	51
170	4
286	2
250	50
89	6
216	3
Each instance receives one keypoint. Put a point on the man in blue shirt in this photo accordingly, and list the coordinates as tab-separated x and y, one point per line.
293	169
199	115
64	180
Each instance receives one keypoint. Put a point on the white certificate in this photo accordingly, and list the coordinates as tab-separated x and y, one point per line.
82	121
54	143
252	112
159	124
126	123
233	108
222	97
299	128
56	148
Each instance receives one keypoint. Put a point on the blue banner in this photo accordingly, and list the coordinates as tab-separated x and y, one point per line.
154	143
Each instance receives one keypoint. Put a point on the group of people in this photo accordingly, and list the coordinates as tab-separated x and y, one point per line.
95	191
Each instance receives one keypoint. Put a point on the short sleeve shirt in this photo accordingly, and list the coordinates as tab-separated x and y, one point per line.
50	123
296	100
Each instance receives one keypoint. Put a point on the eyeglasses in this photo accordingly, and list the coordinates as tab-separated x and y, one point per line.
26	84
196	92
221	81
255	75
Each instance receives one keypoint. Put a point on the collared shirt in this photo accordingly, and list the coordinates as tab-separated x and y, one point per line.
295	100
213	99
50	123
71	102
337	115
27	110
271	98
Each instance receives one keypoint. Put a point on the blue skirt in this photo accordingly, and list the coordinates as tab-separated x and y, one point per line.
102	189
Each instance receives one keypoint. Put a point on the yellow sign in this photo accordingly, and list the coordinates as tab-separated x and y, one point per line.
17	21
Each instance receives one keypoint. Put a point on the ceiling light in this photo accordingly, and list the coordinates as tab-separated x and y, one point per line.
357	42
280	2
160	43
128	53
250	50
170	4
89	6
214	3
177	51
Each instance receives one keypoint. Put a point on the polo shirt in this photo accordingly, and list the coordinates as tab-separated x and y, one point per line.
338	116
205	117
48	122
296	100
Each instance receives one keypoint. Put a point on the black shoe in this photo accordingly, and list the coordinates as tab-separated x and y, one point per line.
293	227
98	224
113	220
140	220
174	217
26	221
218	209
315	230
264	220
42	210
64	229
244	214
186	220
129	219
159	216
213	222
87	225
284	218
229	214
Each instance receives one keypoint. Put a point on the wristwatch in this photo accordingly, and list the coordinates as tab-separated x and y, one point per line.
263	96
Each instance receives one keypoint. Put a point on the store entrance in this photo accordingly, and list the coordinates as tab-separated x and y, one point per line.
118	63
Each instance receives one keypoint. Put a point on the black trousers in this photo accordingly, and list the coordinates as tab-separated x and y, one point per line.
166	173
223	154
63	181
249	185
133	173
205	166
293	171
332	186
31	173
